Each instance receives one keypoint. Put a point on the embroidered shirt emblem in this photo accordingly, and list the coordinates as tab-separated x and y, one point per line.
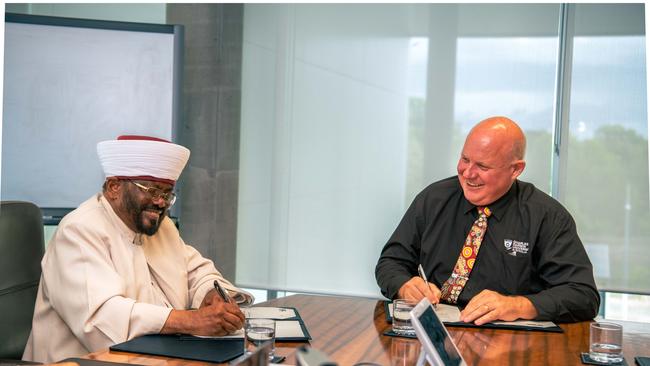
514	247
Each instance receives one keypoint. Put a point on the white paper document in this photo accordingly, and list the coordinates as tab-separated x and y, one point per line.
448	313
283	329
268	312
451	314
529	323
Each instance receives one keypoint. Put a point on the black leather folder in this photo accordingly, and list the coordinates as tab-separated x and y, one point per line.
209	350
555	329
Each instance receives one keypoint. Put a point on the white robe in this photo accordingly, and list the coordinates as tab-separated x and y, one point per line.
103	284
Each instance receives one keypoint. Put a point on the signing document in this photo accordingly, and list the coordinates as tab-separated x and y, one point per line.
450	314
288	324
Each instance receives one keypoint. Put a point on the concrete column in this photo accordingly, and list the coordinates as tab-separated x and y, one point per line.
210	127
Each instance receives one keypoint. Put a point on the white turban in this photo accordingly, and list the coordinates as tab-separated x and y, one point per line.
142	157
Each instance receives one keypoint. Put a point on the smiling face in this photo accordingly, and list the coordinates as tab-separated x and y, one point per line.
135	207
144	212
491	160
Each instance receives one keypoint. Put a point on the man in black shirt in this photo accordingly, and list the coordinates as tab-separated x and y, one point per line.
531	263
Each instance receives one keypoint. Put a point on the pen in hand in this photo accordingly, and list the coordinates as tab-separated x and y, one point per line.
221	291
423	276
421	273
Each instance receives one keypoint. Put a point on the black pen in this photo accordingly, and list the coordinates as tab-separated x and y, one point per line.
221	291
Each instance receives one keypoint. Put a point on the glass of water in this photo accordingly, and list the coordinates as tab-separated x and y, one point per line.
606	342
257	332
402	317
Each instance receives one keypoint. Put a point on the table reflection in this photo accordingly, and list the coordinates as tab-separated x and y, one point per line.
404	352
480	346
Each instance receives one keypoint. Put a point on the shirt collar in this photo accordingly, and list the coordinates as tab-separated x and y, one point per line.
497	207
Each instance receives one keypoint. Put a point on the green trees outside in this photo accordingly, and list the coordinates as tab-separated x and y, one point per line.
608	197
607	191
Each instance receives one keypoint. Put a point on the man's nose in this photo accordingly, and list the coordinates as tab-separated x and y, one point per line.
469	171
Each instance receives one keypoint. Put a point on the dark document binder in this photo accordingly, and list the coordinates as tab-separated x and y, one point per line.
523	326
209	350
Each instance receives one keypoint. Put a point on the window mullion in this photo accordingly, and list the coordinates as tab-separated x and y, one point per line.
561	105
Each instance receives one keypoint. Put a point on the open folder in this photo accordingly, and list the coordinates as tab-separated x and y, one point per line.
174	346
450	316
289	327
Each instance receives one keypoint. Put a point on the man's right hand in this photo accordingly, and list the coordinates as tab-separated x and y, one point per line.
416	289
217	319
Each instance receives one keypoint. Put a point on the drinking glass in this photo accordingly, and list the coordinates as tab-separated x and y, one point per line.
257	332
606	342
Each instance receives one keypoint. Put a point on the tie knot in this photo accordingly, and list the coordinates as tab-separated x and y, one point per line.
484	211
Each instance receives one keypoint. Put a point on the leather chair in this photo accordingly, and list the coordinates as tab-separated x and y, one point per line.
21	251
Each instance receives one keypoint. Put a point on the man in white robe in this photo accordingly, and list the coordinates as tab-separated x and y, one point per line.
116	268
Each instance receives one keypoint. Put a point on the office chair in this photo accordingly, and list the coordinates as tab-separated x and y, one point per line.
21	250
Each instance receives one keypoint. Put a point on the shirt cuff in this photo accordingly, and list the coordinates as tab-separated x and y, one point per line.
395	284
241	297
147	319
545	306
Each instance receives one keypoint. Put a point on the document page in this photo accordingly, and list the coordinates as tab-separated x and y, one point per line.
283	329
528	323
451	314
446	313
268	312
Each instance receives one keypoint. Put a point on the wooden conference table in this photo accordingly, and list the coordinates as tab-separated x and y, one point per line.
350	331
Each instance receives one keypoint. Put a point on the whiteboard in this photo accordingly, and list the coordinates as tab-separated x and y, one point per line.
70	85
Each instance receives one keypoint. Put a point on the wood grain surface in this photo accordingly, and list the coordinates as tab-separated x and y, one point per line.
350	331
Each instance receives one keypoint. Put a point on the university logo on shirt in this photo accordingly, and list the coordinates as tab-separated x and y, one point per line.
514	246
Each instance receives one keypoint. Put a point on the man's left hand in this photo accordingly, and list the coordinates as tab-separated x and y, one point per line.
489	306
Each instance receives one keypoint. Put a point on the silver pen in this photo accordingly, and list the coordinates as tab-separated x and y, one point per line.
424	278
421	273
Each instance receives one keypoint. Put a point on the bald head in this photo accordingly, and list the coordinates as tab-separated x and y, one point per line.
504	131
491	160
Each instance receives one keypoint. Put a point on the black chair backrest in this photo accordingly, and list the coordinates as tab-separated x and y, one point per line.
21	251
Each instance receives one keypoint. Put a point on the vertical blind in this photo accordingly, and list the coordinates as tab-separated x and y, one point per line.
349	110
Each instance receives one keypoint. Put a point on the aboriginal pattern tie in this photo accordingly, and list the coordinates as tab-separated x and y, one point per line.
454	285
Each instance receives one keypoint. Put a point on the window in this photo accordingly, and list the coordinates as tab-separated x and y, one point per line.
607	173
342	125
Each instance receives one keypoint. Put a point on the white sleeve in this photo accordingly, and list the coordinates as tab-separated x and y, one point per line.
90	296
201	274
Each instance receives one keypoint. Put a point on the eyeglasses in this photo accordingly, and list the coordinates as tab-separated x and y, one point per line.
156	193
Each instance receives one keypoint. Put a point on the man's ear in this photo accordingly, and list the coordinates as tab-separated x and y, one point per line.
113	188
518	168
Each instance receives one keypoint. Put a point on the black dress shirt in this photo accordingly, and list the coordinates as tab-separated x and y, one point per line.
531	248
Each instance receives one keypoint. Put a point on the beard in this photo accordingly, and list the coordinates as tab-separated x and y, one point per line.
138	213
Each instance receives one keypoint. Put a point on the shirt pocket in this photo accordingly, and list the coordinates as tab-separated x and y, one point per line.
516	268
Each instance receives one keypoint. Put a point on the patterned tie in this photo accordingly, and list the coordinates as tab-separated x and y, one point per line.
455	284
